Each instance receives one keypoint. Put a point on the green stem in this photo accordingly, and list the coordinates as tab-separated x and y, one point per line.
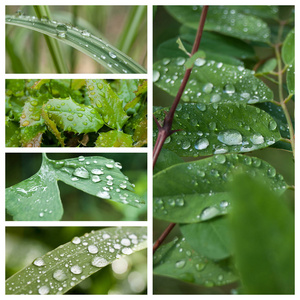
53	45
281	98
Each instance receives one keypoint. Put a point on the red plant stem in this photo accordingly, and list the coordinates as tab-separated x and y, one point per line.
166	130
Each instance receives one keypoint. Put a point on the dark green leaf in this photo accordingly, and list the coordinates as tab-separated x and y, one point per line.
197	191
268	66
211	81
166	159
12	133
263	236
71	116
31	114
223	20
179	260
211	238
62	268
290	78
219	128
262	11
107	103
113	138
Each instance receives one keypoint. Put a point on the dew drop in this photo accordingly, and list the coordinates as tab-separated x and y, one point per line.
201	106
156	75
186	145
97	172
215	98
200	62
85	33
59	275
230	137
272	125
271	172
96	178
180	264
202	144
200	266
180	61
112	54
257	139
224	204
39	262
229	88
127	251
220	159
93	249
70	118
61	30
76	270
207	88
103	195
76	240
81	172
109	166
209	212
99	262
125	242
44	290
25	123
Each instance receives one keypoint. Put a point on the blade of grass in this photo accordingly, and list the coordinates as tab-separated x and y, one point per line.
53	45
110	57
134	20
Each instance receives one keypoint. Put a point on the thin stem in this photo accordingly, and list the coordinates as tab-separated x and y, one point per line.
166	130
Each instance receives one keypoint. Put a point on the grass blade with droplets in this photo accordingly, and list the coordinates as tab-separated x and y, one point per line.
111	58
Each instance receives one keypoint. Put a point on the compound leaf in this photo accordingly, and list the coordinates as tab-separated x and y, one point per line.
66	266
198	191
219	128
211	82
179	260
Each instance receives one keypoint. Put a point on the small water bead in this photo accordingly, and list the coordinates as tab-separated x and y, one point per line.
103	195
166	61
81	172
125	242
93	249
127	251
201	106
207	88
272	125
59	275
220	159
224	204
209	283
39	262
76	240
179	202
202	144
109	166
85	33
180	61
118	165
256	162
257	139
97	172
112	54
271	172
209	213
212	125
99	262
200	266
245	96
96	178
70	118
199	62
230	137
76	270
61	30
105	236
186	145
44	290
215	98
180	264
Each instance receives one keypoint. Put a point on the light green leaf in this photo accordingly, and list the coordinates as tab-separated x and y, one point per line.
66	266
268	66
114	60
198	191
290	78
219	128
37	198
179	260
288	48
71	116
107	102
211	81
210	238
12	133
31	136
223	20
262	229
113	138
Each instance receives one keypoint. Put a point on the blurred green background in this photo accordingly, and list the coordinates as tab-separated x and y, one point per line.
107	22
78	205
127	275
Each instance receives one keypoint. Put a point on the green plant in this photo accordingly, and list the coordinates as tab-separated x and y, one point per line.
38	199
78	112
237	231
87	40
65	267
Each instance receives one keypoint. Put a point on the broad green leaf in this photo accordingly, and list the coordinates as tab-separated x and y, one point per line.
107	103
15	87
31	136
219	128
12	133
268	66
125	89
210	238
290	78
114	138
179	260
66	266
111	58
262	228
211	81
37	198
198	191
71	116
288	48
166	159
223	20
211	44
31	114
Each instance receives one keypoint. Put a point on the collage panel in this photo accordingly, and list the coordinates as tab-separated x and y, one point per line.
76	39
74	260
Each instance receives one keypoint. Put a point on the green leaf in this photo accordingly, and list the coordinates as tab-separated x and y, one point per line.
268	66
166	159
290	78
263	234
31	114
211	43
32	136
223	20
288	48
211	81
262	11
71	116
179	260
114	138
198	191
12	133
210	238
66	266
37	198
107	102
111	58
214	129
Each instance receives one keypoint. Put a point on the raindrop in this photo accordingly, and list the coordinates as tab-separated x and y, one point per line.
272	125
81	172
202	144
229	88
220	159
201	106
59	275
180	61
200	62
76	270
200	266
271	172
180	264
103	195
76	240
186	145
207	88
93	249
99	262
224	204
125	242
44	290
106	236
85	33
61	30
96	178
257	139
39	262
156	75
215	98
112	54
97	172
209	213
127	251
109	166
230	137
